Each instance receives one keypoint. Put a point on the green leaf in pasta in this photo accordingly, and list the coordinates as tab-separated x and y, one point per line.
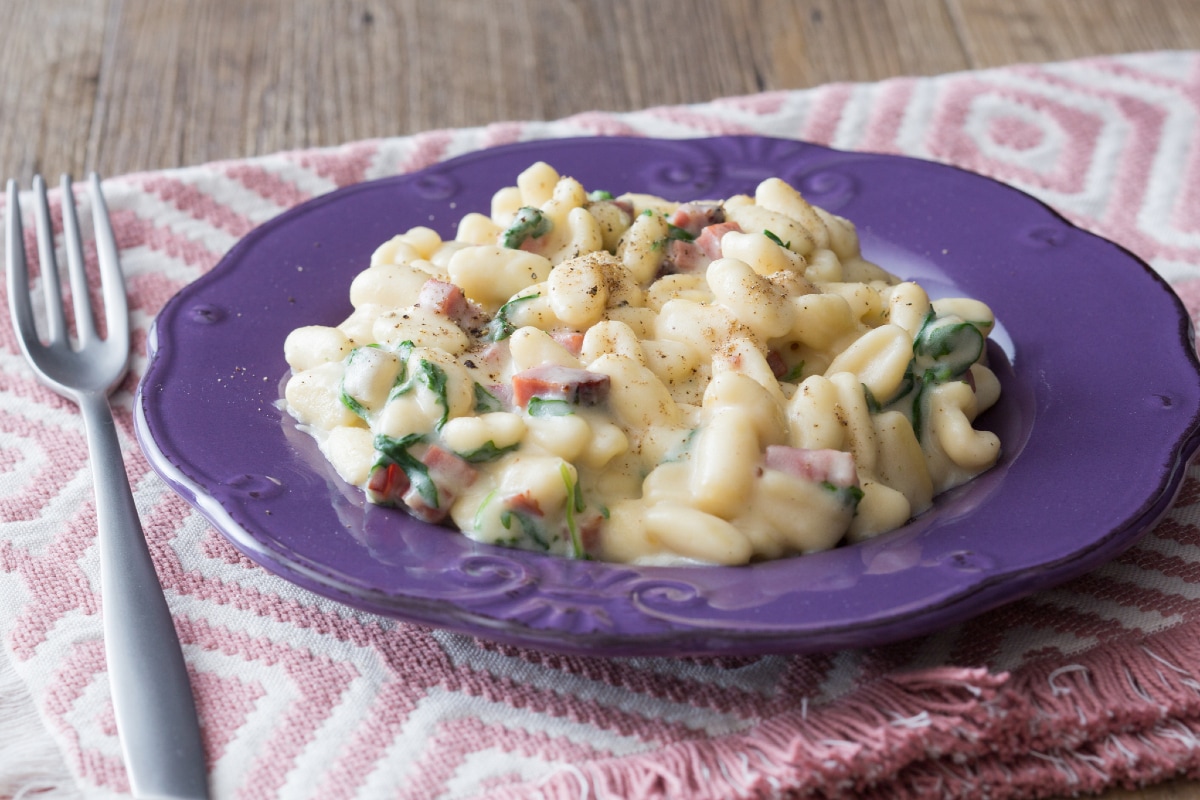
500	328
775	238
546	407
529	223
485	401
946	347
349	402
575	506
873	405
352	362
486	452
676	232
391	450
529	526
433	377
793	374
848	495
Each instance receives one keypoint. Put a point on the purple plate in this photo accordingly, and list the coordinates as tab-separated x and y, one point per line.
1098	419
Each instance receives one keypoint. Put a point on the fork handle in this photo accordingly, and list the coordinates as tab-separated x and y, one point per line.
152	696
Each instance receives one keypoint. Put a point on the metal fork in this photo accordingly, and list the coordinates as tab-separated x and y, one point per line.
152	696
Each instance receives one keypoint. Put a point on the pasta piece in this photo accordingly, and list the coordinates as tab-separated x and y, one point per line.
640	248
389	285
762	253
537	183
791	232
694	534
420	326
530	347
314	345
879	359
578	292
755	301
350	450
490	275
313	397
952	409
779	197
813	422
638	398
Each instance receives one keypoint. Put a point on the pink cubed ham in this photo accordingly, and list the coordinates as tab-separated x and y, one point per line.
525	503
387	485
821	466
450	474
709	240
572	341
448	300
554	382
778	366
683	257
694	217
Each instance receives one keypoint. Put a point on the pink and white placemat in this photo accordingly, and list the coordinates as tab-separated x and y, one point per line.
1091	685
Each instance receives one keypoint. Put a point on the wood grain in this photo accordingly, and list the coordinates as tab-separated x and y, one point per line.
1051	30
129	85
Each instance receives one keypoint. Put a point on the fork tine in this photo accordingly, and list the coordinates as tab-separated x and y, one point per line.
56	321
116	301
85	326
18	270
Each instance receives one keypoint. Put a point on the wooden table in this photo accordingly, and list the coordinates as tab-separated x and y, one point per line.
128	85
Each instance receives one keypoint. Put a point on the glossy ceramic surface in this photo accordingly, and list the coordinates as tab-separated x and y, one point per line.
1098	418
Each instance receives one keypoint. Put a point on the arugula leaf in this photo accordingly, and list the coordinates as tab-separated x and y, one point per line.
545	407
529	526
946	347
676	232
485	401
434	377
349	402
528	223
396	451
478	522
873	405
918	405
487	452
794	373
574	506
849	495
939	341
500	328
402	384
598	195
777	240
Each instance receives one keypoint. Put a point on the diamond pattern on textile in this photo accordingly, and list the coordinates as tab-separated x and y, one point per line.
1075	689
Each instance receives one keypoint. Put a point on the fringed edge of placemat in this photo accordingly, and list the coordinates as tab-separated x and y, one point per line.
1106	719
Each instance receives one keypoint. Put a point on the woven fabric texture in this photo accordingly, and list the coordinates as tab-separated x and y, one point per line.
1090	685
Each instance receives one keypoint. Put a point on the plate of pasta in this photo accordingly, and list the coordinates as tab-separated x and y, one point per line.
638	396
